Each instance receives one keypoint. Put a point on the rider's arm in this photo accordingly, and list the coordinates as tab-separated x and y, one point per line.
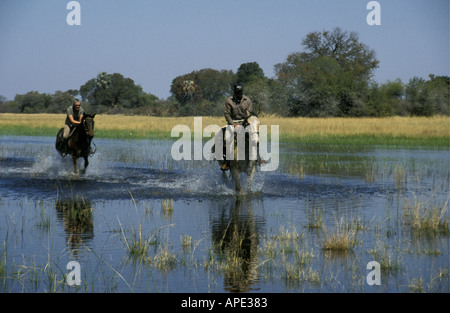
72	120
227	112
247	105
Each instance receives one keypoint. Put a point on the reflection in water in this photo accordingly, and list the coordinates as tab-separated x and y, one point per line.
235	233
76	216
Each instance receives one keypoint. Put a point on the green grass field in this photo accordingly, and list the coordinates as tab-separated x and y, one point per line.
390	131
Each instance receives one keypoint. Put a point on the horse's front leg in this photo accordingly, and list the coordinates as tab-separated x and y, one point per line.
86	164
236	177
251	173
74	161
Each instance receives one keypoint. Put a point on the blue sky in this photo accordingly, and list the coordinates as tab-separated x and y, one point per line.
154	41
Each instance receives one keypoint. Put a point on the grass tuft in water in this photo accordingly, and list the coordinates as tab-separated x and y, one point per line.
44	221
426	220
390	261
186	242
164	260
137	244
294	275
343	238
167	208
314	219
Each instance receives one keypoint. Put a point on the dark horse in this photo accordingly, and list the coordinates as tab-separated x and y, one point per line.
79	142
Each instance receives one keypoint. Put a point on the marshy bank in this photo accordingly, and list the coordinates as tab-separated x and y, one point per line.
430	132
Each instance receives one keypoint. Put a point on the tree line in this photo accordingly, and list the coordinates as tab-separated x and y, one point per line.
331	77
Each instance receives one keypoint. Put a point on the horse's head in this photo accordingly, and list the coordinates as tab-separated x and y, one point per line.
253	127
88	122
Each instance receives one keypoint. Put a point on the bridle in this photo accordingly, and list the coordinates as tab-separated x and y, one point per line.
86	131
246	123
86	127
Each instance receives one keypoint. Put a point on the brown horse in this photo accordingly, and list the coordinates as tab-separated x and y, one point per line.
79	142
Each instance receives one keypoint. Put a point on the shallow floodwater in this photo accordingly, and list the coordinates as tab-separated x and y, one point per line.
199	235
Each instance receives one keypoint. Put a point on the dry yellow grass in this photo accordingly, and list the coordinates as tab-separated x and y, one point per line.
290	128
415	127
106	122
32	120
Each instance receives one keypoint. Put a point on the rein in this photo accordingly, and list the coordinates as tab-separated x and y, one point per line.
92	151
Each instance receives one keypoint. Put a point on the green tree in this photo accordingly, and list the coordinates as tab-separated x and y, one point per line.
385	99
259	88
215	85
278	99
428	97
331	77
8	106
439	94
416	97
61	101
33	102
248	72
88	91
103	80
200	92
113	92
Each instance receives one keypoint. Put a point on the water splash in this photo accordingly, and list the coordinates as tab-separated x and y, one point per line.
48	164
